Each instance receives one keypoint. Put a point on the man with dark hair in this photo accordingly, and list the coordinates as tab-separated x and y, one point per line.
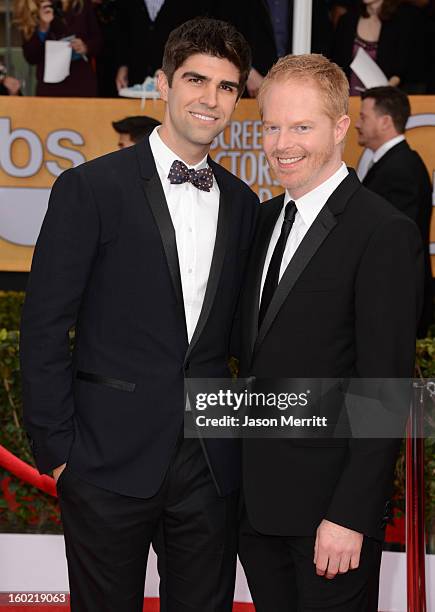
132	129
143	251
392	102
218	39
396	172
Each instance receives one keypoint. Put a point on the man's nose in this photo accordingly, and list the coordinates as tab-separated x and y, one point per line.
209	96
285	140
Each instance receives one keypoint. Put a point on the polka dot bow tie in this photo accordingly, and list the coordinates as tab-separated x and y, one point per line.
180	173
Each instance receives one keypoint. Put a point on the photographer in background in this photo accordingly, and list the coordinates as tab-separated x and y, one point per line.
9	86
55	20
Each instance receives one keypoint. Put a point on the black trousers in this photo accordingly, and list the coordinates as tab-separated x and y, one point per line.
192	529
282	576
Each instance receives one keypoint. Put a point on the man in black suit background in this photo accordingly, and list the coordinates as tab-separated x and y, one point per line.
143	27
332	291
396	172
142	251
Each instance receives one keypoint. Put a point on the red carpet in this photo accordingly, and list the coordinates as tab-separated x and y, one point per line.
150	605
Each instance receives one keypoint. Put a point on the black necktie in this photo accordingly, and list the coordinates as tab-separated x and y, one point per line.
272	277
180	173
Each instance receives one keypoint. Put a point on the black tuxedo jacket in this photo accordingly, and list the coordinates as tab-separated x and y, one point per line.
106	262
400	46
346	306
401	177
141	41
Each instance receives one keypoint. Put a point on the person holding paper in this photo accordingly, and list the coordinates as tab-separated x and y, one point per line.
392	35
73	20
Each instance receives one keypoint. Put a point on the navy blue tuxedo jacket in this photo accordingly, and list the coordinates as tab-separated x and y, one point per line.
106	264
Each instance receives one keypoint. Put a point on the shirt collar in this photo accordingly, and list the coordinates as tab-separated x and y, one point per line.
310	204
165	157
386	147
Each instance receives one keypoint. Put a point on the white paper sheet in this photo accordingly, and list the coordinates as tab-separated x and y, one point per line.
367	70
57	60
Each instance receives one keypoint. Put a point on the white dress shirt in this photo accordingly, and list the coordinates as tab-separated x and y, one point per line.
308	207
380	152
153	7
194	215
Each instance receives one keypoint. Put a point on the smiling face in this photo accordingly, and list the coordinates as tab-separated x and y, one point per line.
199	104
302	143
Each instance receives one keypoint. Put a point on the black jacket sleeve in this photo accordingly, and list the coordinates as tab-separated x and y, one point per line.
64	253
388	296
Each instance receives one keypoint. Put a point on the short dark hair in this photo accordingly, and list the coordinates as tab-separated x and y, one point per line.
390	101
209	37
137	126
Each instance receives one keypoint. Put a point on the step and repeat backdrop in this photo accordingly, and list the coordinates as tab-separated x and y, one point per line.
42	137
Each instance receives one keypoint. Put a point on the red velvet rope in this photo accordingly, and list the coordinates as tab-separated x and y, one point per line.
26	472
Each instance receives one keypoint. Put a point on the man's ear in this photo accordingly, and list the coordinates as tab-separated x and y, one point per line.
341	128
162	85
386	122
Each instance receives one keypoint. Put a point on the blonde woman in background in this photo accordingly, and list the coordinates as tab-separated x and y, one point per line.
41	20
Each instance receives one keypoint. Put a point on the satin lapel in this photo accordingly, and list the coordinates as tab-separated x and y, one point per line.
157	202
259	252
317	233
217	261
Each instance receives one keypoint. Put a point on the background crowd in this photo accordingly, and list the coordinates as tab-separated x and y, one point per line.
118	43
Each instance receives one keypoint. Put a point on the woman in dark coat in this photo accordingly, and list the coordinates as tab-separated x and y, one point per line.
51	20
392	33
